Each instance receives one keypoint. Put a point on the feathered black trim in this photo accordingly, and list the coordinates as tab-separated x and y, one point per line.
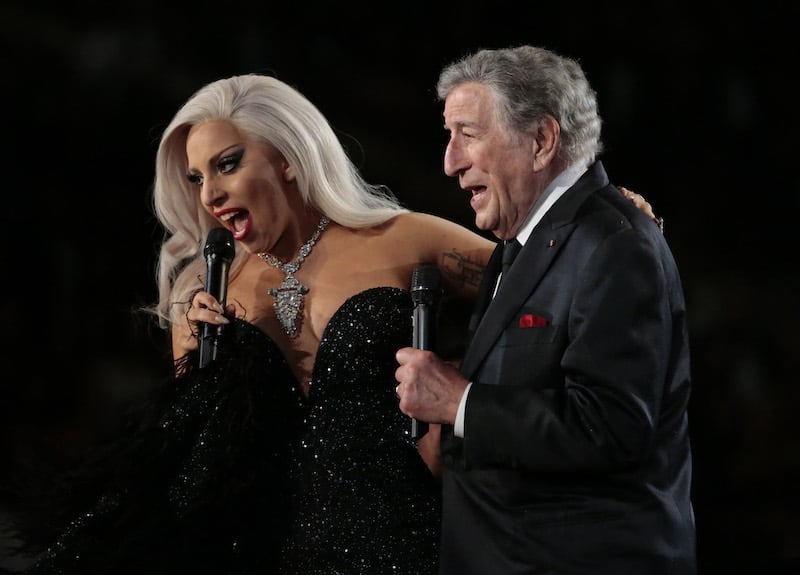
195	483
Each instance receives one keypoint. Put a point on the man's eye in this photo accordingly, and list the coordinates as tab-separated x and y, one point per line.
229	163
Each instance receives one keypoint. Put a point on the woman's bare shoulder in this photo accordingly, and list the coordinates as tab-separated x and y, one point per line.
460	253
431	226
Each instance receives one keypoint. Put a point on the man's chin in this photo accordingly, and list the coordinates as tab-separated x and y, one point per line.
482	224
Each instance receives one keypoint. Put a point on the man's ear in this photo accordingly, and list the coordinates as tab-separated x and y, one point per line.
288	173
545	142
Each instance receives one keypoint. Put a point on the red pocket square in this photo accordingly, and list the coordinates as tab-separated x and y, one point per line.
531	320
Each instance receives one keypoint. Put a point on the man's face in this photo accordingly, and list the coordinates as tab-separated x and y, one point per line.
495	165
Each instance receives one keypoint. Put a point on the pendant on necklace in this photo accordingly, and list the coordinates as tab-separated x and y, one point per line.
290	294
288	302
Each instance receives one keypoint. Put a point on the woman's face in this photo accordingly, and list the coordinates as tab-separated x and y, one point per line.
243	183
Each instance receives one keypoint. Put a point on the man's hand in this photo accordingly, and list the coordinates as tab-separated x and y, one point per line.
429	388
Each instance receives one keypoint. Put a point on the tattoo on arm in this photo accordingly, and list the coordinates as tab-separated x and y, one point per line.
461	270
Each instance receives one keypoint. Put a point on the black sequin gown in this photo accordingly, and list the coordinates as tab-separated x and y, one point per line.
242	474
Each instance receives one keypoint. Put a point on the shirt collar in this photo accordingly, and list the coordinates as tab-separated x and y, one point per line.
554	190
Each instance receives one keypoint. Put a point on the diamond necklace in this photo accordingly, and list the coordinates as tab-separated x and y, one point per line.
289	295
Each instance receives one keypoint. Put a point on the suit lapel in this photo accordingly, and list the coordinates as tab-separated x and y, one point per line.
530	266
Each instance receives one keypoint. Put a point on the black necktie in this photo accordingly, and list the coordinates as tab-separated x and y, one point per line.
510	250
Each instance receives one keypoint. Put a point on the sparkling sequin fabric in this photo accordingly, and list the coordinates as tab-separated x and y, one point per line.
364	500
243	474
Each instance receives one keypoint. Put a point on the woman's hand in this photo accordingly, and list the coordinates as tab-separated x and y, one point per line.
428	447
204	308
639	201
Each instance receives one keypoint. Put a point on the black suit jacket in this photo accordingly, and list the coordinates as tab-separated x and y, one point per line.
576	456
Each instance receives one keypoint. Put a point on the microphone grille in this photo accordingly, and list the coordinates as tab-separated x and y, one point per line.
219	242
426	284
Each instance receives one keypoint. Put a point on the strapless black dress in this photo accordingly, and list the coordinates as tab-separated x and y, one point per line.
240	473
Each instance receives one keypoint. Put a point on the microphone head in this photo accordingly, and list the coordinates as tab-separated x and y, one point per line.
426	284
219	243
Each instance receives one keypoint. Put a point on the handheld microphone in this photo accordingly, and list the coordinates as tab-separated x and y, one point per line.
426	291
219	253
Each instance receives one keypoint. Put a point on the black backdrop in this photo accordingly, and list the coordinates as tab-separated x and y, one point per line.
699	117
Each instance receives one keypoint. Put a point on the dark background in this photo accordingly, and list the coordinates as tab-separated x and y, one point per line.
700	117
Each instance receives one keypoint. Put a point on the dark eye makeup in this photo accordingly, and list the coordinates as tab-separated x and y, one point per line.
225	165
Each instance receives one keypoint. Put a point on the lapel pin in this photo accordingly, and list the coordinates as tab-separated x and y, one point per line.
551	244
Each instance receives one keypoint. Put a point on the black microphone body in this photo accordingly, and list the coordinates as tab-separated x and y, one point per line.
426	291
219	252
